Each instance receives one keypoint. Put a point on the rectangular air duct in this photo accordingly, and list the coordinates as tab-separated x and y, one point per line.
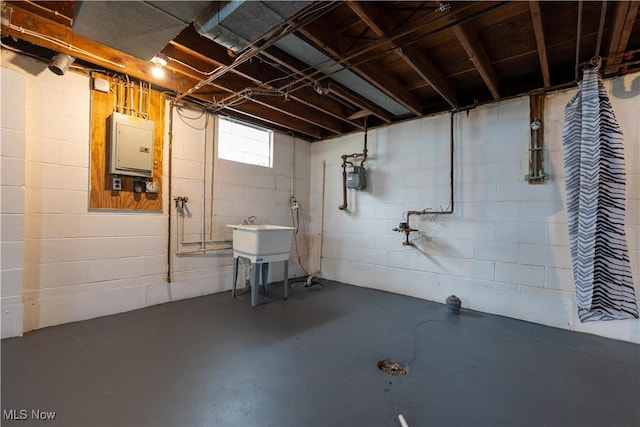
139	28
237	24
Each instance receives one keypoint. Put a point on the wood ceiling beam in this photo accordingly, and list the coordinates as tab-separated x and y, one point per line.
256	111
355	99
327	39
258	72
625	17
230	85
30	27
419	62
297	66
536	19
477	55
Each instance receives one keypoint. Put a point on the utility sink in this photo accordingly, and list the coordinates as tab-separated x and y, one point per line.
262	242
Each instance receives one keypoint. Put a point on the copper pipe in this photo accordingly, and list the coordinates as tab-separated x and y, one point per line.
344	158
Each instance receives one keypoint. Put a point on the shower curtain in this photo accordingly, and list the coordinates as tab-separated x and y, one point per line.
595	185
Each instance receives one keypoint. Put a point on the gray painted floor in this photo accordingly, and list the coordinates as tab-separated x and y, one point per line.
311	361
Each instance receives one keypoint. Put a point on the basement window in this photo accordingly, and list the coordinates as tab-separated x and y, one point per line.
244	143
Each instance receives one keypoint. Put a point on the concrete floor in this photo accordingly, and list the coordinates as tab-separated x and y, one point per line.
311	361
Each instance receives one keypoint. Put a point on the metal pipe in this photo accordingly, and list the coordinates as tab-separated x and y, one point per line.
324	164
214	139
405	227
578	34
326	71
603	14
140	89
364	150
204	183
344	158
450	208
287	28
169	191
343	206
202	251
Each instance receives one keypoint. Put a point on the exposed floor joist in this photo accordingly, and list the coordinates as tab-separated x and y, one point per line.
265	75
536	19
324	35
625	16
418	61
478	57
352	98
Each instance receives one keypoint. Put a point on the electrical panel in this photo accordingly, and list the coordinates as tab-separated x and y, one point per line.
356	177
131	144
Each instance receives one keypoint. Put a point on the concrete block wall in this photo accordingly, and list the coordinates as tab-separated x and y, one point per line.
239	191
505	248
68	263
12	196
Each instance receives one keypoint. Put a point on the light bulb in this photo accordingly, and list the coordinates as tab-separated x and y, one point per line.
157	72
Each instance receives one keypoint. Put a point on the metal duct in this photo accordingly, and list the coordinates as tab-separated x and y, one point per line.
139	28
298	48
238	23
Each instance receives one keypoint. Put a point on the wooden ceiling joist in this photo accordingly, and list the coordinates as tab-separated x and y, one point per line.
326	37
296	66
355	99
536	18
252	109
625	17
417	60
478	57
181	81
261	75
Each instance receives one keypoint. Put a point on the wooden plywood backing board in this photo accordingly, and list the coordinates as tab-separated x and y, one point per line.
143	103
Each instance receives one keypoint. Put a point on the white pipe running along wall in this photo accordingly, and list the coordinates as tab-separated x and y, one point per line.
181	210
318	270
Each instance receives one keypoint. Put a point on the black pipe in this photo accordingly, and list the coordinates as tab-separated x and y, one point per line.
451	175
364	150
169	190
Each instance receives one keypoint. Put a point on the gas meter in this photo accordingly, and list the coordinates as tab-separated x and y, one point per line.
356	177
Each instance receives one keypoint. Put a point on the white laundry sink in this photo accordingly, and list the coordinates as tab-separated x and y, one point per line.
262	242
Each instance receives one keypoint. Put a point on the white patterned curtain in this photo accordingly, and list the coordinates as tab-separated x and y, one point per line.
595	185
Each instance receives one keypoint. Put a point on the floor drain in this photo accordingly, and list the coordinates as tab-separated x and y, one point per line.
391	368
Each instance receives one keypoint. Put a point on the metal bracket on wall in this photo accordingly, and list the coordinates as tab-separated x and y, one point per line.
536	173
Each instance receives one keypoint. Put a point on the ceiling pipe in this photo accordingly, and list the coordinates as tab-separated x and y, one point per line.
287	28
301	82
578	34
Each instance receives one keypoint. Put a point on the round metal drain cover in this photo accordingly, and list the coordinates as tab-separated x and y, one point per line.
390	367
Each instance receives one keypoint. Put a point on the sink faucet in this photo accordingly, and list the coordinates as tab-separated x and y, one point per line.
251	220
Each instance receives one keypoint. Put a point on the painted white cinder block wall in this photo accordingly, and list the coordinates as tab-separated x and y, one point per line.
12	155
79	264
505	249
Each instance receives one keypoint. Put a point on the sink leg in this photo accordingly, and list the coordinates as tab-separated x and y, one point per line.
286	279
255	283
235	277
265	275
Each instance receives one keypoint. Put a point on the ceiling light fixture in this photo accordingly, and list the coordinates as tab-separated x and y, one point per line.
158	66
60	63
